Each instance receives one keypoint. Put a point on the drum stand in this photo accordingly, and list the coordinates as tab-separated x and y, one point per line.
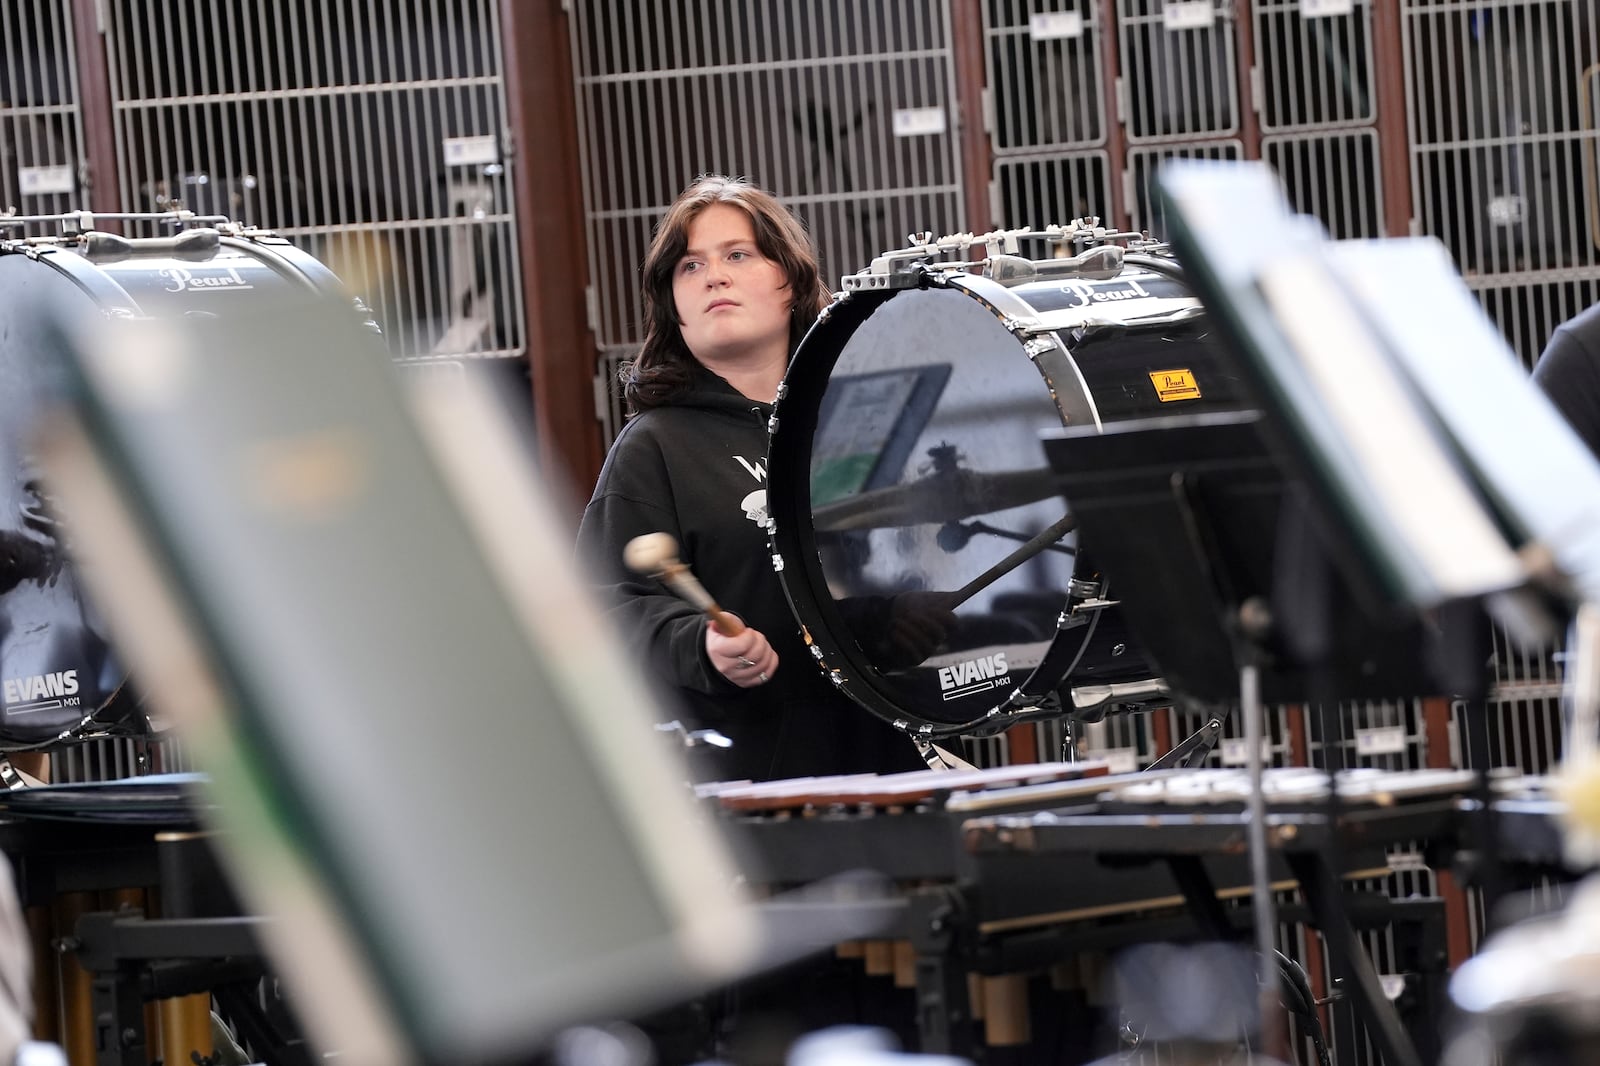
1191	751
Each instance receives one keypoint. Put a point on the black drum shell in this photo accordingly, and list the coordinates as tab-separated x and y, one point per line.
59	677
1097	349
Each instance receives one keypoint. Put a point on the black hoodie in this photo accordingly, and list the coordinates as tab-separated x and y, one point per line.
1569	373
697	470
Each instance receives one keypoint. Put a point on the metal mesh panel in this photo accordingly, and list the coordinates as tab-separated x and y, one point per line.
1051	190
1125	740
1179	69
984	752
1138	178
41	133
1046	75
110	758
611	409
1501	122
1525	722
1376	734
1332	176
841	109
371	134
1528	314
1314	71
1232	749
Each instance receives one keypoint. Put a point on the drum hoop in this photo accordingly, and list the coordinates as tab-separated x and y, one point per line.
1050	356
792	539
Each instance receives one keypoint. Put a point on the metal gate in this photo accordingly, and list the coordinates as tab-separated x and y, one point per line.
1501	132
372	135
1046	111
1503	152
1316	100
41	131
843	110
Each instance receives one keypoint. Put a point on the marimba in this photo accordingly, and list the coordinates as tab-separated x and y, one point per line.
999	873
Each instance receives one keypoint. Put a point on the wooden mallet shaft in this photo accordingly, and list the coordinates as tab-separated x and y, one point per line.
656	555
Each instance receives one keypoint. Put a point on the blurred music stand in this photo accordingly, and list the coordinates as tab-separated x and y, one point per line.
431	765
1297	545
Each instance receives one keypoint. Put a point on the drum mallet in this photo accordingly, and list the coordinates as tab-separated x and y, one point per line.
656	555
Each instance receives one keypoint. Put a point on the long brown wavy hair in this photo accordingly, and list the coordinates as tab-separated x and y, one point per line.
664	366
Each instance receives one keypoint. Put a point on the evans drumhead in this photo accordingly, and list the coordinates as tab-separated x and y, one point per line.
916	524
59	678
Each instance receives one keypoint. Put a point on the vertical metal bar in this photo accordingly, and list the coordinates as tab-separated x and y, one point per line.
1246	121
976	147
540	100
1390	60
672	39
9	194
96	118
26	126
1118	213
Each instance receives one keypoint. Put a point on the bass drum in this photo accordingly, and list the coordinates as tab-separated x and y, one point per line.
919	532
60	679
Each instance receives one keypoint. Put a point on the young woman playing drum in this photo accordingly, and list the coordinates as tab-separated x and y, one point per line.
731	284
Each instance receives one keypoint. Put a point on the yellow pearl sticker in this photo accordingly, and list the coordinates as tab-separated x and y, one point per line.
1175	385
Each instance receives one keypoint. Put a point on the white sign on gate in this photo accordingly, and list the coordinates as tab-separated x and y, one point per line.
918	121
1188	15
1053	25
1313	9
45	181
471	151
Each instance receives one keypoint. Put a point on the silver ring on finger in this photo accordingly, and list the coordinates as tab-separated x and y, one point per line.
763	676
746	663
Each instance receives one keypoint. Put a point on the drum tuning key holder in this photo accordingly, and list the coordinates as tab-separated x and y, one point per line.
1094	256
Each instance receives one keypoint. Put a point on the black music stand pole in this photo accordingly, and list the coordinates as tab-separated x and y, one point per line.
1262	905
1312	611
1459	657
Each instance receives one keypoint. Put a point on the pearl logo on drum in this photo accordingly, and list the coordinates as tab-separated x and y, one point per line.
39	692
973	675
1126	289
181	279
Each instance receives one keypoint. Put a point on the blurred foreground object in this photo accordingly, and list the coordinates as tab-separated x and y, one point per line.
430	767
60	679
860	1046
1441	482
1196	1003
1531	995
16	995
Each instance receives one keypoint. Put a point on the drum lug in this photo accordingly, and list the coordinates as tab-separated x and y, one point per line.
1038	346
